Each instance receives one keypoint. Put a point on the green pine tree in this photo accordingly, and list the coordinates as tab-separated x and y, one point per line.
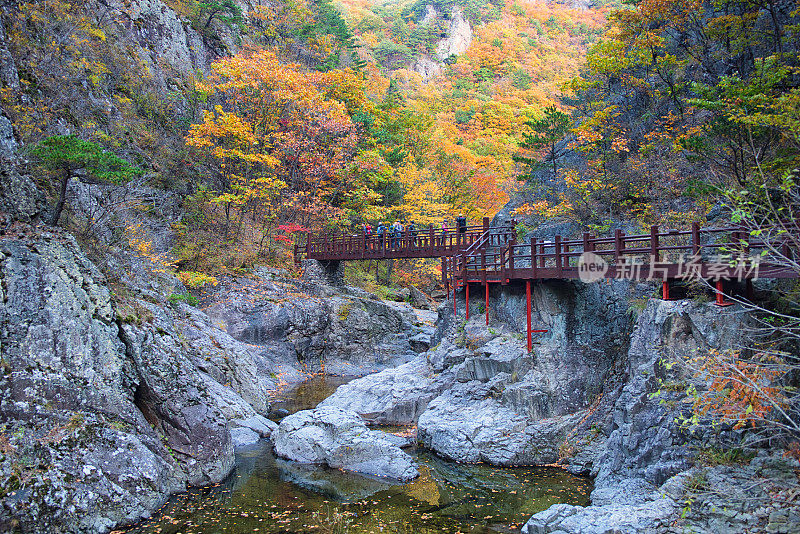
545	133
66	154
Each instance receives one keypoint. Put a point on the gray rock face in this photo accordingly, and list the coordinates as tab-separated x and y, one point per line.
646	442
171	395
340	439
394	396
226	360
419	299
19	196
459	36
624	519
642	468
325	273
288	330
110	421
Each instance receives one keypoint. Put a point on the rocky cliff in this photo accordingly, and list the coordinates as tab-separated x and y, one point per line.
478	396
601	393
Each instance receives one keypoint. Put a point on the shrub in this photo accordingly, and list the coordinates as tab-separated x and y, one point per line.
189	299
196	280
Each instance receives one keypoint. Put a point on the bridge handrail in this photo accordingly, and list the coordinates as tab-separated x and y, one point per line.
733	239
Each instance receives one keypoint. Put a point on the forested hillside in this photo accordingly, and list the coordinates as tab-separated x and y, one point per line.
274	118
269	119
681	107
161	160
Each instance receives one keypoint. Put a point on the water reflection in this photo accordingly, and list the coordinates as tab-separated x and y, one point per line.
305	395
270	495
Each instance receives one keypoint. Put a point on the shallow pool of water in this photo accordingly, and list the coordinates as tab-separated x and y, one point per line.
266	494
306	395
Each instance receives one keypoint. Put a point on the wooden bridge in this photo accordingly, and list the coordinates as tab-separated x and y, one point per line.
482	255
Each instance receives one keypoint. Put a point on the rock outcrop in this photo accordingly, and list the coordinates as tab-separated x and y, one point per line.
340	439
645	479
395	396
102	420
459	36
479	397
292	329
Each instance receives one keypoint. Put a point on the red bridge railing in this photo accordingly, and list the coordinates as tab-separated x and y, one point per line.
661	254
427	242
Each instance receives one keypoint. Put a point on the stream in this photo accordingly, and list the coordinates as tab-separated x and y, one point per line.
270	495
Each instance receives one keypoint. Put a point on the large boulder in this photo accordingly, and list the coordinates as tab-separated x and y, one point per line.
654	516
471	423
394	396
340	439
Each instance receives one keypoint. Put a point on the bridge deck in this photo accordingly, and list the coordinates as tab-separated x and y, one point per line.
491	254
427	243
485	255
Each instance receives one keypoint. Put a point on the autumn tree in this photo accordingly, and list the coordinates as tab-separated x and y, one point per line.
285	146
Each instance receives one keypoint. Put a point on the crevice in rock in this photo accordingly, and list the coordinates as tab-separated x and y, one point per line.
142	399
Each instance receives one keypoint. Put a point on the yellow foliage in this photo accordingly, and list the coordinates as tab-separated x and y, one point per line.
195	280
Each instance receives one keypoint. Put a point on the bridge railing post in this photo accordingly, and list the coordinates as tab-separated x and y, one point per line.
511	244
619	246
558	256
543	256
502	265
533	257
654	252
695	238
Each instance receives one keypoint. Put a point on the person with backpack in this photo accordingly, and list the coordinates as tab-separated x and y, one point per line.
413	232
461	222
445	228
381	230
367	229
398	232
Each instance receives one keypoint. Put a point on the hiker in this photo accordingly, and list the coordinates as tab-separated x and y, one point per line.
461	222
412	232
397	234
367	229
445	225
381	230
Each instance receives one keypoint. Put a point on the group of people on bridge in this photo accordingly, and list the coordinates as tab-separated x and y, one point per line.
397	233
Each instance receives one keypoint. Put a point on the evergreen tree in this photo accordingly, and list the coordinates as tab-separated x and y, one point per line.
66	154
546	133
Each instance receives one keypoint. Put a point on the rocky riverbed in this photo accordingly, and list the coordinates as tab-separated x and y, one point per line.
266	493
115	396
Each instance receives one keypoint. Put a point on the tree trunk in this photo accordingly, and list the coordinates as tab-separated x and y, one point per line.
62	197
389	268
